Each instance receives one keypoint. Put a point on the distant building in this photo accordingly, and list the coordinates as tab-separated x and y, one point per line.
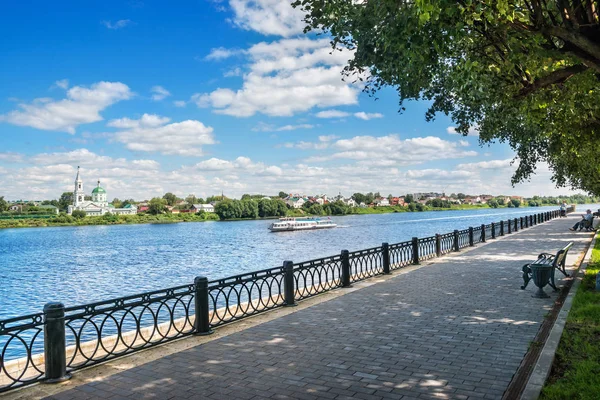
382	202
99	204
209	208
295	202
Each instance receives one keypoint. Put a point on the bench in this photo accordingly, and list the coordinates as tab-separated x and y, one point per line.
588	225
557	261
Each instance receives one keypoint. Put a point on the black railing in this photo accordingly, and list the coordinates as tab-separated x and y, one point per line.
47	346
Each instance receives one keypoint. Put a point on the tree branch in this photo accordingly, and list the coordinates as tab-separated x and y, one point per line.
558	76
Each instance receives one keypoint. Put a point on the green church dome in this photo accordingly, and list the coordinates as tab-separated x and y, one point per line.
98	190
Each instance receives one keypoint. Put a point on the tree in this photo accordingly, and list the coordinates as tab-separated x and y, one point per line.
78	214
523	72
191	199
515	203
359	198
170	198
65	200
282	195
493	203
461	196
157	206
3	204
409	199
117	203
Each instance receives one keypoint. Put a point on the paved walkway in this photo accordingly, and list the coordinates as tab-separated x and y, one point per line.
455	329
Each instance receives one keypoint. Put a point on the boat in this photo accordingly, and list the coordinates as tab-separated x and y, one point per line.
288	224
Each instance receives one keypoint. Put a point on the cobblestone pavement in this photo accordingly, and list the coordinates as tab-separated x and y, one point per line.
455	329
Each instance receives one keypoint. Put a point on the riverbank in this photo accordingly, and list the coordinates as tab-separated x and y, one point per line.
109	219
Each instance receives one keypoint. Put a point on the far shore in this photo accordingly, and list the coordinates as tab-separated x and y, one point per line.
64	220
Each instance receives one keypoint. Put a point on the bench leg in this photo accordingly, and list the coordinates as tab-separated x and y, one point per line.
526	276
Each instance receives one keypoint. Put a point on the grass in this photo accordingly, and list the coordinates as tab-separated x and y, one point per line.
576	370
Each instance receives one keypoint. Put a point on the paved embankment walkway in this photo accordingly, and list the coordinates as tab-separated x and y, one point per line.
456	328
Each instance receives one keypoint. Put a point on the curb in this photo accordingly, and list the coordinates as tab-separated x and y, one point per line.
543	365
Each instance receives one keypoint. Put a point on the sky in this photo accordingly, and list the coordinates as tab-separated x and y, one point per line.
203	97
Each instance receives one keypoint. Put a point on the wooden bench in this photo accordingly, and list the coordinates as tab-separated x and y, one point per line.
557	261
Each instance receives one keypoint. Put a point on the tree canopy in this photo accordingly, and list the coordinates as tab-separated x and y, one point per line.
525	72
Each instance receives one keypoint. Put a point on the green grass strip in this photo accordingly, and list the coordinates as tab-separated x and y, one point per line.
576	370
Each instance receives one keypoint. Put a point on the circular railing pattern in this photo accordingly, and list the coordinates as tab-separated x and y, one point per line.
317	276
447	242
21	351
427	248
463	238
102	331
400	255
244	295
365	263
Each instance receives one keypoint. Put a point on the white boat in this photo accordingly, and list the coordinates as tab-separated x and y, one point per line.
287	224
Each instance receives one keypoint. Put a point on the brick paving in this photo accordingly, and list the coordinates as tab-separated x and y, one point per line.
455	329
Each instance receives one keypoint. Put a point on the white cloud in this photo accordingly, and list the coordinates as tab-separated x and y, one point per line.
367	116
179	103
473	131
11	157
63	84
332	114
323	143
237	71
152	133
286	77
263	127
159	93
268	17
493	165
221	53
82	106
122	23
391	148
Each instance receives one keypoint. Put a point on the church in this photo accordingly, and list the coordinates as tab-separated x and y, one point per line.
99	204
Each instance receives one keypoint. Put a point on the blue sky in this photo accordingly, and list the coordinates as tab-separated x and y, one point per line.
209	96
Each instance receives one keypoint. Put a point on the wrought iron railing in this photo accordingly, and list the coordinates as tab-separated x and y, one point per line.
427	248
244	295
46	346
105	330
401	255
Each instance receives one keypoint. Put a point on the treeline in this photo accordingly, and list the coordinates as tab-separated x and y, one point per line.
335	208
237	209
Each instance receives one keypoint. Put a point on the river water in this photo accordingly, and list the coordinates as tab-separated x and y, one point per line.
78	265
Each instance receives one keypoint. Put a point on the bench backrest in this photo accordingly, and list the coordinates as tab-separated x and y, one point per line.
561	255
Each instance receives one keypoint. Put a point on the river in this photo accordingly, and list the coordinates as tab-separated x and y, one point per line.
77	265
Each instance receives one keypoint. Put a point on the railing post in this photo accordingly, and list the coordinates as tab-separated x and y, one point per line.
493	230
516	225
483	233
289	291
55	355
456	245
202	321
385	248
415	250
471	238
521	222
502	228
438	245
345	268
509	225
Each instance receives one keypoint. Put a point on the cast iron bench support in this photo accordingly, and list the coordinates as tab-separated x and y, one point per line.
556	261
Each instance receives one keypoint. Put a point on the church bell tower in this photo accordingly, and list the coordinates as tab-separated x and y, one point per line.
78	196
